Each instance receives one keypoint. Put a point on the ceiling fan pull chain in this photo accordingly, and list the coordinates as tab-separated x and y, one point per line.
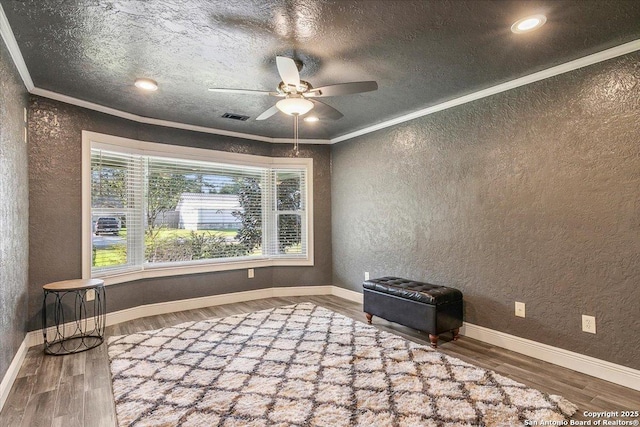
296	150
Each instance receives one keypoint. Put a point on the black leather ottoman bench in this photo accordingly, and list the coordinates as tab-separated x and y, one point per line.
430	308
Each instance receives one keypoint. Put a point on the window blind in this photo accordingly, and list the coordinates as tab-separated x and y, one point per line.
116	210
160	211
288	213
202	210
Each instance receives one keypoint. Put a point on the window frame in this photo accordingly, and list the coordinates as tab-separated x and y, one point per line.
109	142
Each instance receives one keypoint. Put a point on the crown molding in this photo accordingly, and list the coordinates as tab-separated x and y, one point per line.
14	50
16	55
166	123
503	87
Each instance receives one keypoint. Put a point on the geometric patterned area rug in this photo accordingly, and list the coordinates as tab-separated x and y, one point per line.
304	365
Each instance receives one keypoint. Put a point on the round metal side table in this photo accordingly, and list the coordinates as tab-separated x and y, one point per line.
78	315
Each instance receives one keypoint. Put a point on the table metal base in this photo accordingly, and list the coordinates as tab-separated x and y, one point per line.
83	327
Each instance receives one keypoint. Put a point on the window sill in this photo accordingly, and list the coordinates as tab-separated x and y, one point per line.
151	272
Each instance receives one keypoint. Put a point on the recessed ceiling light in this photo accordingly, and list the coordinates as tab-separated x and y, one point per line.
146	84
529	23
311	119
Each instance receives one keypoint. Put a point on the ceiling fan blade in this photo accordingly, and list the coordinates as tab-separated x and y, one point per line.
325	111
243	91
342	89
270	112
288	71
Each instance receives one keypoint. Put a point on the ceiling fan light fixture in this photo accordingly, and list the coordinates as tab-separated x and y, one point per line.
294	106
146	84
529	23
311	119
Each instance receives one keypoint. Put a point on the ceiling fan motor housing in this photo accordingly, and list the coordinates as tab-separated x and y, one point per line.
287	89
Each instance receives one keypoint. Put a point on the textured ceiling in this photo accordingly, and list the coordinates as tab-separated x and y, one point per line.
420	52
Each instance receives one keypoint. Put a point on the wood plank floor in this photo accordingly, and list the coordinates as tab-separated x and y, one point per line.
75	390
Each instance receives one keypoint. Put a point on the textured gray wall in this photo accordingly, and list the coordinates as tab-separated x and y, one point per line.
531	195
14	205
55	209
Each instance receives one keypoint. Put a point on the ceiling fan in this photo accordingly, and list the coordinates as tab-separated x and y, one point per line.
299	95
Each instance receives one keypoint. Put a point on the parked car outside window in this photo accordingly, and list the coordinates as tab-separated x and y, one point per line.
107	225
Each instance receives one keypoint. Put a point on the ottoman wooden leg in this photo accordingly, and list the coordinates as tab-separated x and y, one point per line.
369	317
434	340
456	334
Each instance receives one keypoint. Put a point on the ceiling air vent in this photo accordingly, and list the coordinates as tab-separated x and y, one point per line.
235	117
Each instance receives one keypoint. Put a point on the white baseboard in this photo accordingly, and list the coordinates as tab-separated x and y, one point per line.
186	304
347	294
598	368
36	338
12	372
299	291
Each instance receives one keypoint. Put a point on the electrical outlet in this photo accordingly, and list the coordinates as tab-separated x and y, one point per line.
90	295
519	309
589	324
366	275
250	273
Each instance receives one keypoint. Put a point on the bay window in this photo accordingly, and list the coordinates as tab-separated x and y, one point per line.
155	209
